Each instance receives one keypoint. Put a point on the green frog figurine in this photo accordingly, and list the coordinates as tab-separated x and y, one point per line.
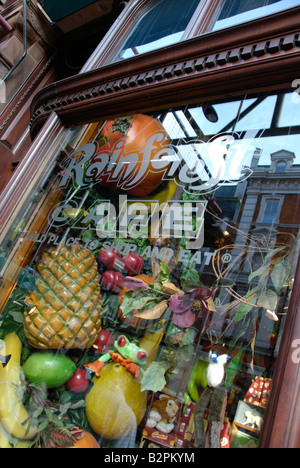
129	355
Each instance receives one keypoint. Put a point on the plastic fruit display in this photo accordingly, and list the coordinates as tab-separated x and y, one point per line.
50	369
87	441
115	405
133	264
79	381
104	341
137	146
134	322
14	419
65	306
112	281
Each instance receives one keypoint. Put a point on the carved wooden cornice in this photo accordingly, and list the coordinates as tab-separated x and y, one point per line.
252	57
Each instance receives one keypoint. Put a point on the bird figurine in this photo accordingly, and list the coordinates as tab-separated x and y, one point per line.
216	368
213	399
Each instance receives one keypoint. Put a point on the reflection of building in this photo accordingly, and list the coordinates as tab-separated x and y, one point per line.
264	205
270	200
264	212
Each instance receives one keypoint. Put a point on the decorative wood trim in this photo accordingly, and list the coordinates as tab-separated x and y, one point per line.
246	58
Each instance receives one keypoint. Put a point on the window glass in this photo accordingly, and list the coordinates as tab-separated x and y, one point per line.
241	11
280	167
271	212
145	266
162	25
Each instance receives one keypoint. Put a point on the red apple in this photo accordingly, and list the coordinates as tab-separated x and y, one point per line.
79	381
133	263
104	341
109	258
112	281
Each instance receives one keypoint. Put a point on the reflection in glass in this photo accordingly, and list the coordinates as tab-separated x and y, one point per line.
218	238
163	25
237	12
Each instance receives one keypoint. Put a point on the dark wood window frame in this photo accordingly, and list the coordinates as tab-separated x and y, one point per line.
260	56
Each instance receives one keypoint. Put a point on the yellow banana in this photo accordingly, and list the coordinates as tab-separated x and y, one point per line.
4	440
13	415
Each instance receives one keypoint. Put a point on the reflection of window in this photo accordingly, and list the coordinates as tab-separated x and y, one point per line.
240	11
160	23
271	211
281	167
161	26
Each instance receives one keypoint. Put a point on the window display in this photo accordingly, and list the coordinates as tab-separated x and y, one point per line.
146	280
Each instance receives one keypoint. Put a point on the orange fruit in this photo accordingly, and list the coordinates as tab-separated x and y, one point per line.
115	405
143	131
87	441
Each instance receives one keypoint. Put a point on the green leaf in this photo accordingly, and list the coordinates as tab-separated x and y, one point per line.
18	317
242	311
280	274
43	425
240	333
273	252
164	274
37	412
190	278
226	283
137	301
154	377
114	303
79	404
188	338
258	272
234	367
267	300
49	413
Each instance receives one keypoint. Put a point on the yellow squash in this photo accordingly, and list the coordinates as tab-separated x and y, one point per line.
13	415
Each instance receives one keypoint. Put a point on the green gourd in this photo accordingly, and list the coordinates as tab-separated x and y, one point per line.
51	369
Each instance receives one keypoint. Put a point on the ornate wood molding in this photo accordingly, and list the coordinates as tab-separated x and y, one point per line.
247	58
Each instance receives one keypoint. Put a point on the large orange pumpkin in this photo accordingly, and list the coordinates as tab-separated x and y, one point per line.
137	148
133	322
87	441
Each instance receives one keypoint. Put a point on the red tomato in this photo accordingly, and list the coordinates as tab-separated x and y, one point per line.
109	258
133	264
79	381
104	341
112	281
140	166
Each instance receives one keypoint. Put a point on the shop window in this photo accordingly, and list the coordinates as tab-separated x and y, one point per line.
160	26
165	22
241	11
134	254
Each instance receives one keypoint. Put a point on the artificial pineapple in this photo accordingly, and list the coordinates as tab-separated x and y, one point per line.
65	306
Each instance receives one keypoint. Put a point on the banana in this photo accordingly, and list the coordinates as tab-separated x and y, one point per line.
13	415
4	440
